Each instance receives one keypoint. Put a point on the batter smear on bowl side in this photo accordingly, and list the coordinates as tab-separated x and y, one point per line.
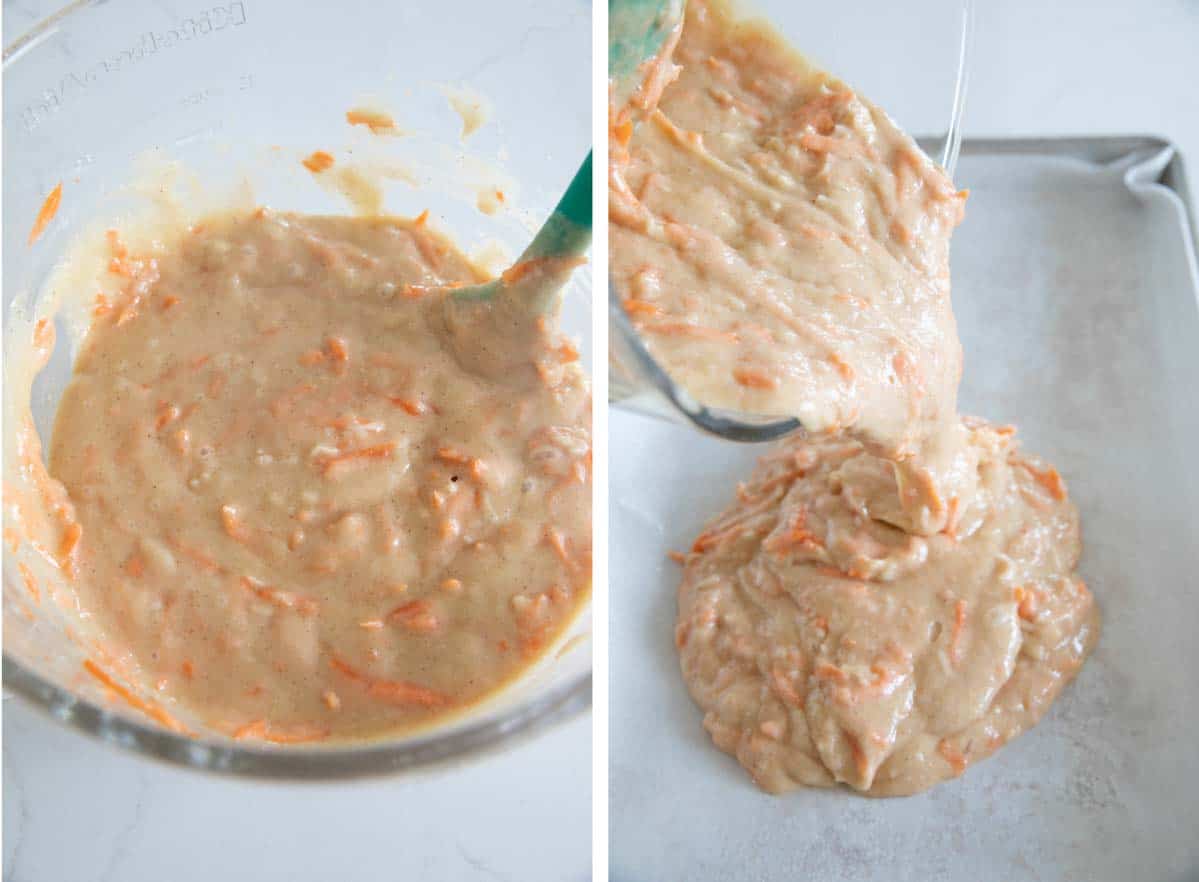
892	596
294	513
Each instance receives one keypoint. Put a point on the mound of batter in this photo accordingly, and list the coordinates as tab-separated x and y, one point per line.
892	596
827	646
297	515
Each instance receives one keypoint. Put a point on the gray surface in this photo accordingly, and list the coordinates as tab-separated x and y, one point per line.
1077	307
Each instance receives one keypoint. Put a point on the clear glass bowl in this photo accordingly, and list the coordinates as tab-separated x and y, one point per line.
863	44
240	92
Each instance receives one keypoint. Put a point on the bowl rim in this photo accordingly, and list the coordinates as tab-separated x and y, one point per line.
430	749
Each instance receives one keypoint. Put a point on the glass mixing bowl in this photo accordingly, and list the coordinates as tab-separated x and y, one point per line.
865	45
239	93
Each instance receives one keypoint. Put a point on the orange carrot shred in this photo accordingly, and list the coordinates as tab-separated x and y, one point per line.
404	693
378	123
393	691
46	214
337	348
754	379
959	624
449	454
70	539
377	451
1050	480
634	306
30	582
953	756
558	542
153	711
318	162
263	731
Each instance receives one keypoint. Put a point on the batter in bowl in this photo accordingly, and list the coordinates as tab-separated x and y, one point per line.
892	596
294	512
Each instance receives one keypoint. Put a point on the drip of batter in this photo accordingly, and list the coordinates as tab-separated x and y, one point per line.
297	514
893	595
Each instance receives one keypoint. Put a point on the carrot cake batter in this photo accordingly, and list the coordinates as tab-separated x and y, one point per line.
294	514
891	596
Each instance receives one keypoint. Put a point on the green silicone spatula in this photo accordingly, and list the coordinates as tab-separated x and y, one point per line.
561	240
487	323
637	29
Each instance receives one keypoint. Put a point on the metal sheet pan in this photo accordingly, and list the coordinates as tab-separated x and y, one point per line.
1076	292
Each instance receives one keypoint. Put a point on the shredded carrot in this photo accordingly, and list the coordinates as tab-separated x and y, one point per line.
567	352
262	731
234	526
331	699
712	538
153	711
188	669
372	624
623	132
797	535
528	267
422	218
167	413
318	162
843	367
784	688
46	214
953	756
825	671
412	406
115	246
343	668
399	692
198	557
959	625
677	556
404	693
449	454
754	379
817	143
452	586
683	329
70	539
1027	603
30	582
378	123
633	306
290	397
416	615
169	301
337	348
134	566
311	357
558	542
860	760
951	519
1050	480
305	606
377	451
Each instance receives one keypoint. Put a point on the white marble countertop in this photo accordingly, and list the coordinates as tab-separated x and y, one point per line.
79	811
75	810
